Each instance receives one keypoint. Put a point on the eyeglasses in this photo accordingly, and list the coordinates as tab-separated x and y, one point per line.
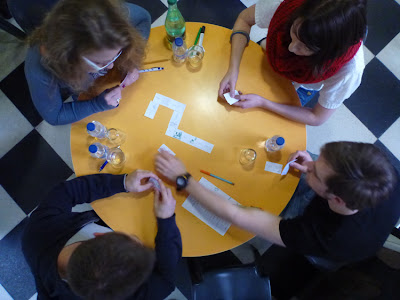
96	67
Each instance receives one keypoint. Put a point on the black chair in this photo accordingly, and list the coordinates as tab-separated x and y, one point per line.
234	283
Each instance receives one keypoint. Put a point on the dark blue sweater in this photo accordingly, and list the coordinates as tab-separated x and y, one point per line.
53	223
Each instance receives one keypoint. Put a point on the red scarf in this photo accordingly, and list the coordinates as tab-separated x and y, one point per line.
294	67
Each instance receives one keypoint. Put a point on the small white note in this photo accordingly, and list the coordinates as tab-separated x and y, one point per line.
273	167
287	167
165	148
151	110
229	99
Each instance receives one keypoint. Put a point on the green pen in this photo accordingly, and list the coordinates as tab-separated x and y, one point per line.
197	37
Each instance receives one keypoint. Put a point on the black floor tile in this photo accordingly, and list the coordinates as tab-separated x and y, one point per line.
395	162
221	12
155	8
16	89
376	101
15	275
383	23
30	170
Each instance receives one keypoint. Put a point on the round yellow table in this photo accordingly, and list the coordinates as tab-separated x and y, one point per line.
208	117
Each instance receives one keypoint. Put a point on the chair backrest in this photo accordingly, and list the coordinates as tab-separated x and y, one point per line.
236	283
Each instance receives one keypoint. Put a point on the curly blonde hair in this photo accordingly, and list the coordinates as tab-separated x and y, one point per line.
74	28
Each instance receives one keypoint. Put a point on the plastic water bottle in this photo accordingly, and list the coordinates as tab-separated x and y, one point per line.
275	143
96	129
179	49
174	23
98	150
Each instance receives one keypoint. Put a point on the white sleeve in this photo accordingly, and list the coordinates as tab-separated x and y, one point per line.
343	84
265	10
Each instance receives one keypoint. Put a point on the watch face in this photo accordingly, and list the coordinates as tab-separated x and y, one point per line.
180	181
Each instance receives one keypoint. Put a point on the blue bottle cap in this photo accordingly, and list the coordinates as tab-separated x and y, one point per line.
178	41
280	141
90	126
92	148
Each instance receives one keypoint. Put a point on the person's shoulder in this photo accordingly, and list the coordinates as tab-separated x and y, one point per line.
33	64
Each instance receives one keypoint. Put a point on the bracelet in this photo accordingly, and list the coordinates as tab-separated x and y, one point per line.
243	33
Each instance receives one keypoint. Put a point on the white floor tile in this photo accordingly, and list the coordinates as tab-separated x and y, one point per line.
391	138
244	253
257	33
390	57
176	295
261	244
58	137
3	294
12	53
368	55
72	176
248	3
10	214
34	297
14	126
343	125
160	21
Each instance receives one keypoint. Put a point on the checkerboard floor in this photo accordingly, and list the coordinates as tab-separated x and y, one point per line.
35	156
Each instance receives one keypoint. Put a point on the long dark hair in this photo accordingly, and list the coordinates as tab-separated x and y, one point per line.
330	28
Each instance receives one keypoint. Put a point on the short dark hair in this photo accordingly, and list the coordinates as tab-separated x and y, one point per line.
363	174
330	28
110	266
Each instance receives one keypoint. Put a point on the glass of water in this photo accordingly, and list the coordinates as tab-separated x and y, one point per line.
195	55
116	157
247	156
115	136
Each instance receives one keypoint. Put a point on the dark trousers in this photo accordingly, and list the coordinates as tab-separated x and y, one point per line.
289	272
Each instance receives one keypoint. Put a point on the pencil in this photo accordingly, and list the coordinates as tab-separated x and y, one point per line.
215	176
156	61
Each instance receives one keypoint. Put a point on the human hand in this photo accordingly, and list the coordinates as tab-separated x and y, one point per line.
164	202
228	84
249	101
134	181
130	78
302	158
113	95
169	166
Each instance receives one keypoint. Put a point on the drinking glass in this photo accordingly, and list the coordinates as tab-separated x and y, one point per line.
195	55
116	157
247	156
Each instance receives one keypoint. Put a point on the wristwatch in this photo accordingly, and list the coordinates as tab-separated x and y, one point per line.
182	181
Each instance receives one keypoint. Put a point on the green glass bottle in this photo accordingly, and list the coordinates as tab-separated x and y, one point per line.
174	23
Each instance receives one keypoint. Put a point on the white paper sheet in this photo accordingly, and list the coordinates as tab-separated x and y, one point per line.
229	99
273	167
287	167
194	207
165	148
172	129
151	110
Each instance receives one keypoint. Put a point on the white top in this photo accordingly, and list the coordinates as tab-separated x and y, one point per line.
335	89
